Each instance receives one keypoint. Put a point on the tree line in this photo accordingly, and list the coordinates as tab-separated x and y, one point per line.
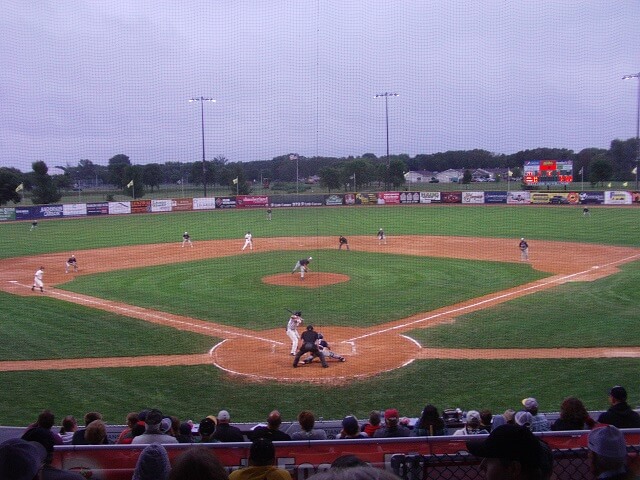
597	165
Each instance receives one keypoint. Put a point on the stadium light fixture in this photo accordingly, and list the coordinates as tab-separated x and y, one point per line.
204	168
629	77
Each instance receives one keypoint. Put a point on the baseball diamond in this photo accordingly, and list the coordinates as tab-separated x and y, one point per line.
566	262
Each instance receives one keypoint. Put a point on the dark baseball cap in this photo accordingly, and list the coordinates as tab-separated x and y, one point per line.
619	393
508	442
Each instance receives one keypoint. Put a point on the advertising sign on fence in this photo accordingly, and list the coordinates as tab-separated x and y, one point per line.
101	208
472	197
451	197
495	197
615	197
225	202
161	205
518	198
140	206
204	203
7	214
252	201
119	208
74	209
297	200
366	198
410	197
429	197
388	198
332	200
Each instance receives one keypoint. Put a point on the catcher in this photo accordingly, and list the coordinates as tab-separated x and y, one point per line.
324	347
310	345
295	320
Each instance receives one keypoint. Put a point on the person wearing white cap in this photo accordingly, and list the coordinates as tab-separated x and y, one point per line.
472	425
608	453
539	422
225	432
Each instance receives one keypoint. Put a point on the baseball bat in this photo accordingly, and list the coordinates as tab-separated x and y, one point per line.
291	312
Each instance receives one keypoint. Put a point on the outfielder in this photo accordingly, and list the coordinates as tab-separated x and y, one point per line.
71	263
524	250
37	280
325	349
303	265
186	238
295	320
248	241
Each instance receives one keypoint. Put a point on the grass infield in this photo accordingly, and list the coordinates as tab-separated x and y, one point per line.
599	313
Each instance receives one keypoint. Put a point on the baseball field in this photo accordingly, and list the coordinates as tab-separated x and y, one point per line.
443	313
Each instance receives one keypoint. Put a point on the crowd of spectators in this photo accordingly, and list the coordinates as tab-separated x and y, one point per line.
495	439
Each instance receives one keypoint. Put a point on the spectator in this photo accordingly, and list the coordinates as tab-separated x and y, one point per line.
573	416
486	420
429	424
472	425
509	416
68	428
197	464
126	435
620	413
226	432
392	427
166	426
524	419
373	424
497	421
78	436
207	428
45	420
21	460
96	433
512	451
43	437
153	463
359	472
540	422
608	453
152	433
184	433
350	428
271	430
262	459
307	421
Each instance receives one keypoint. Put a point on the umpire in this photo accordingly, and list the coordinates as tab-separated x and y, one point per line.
309	345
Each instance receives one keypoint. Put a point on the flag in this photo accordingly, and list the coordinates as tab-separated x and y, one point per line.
20	187
235	181
179	182
509	173
609	184
581	171
130	184
635	170
353	177
625	184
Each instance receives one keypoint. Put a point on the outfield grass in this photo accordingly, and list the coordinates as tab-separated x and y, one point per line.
402	286
599	313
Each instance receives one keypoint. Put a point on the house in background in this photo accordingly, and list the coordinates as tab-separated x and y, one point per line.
419	176
450	176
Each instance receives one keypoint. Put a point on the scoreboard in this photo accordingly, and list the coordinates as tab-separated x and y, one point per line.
548	172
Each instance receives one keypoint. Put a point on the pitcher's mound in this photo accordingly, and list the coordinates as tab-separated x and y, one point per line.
311	279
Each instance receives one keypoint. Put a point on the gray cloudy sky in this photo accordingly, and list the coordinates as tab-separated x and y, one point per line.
92	79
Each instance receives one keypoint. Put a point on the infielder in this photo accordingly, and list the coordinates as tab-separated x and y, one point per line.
71	263
524	250
342	240
325	349
37	280
381	237
186	239
248	241
303	265
295	320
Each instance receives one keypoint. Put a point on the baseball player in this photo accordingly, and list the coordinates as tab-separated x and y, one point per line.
34	225
381	237
343	241
324	347
37	280
269	213
524	250
295	320
248	241
303	265
71	263
310	345
186	239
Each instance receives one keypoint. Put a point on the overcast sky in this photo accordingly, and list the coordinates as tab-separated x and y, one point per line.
92	79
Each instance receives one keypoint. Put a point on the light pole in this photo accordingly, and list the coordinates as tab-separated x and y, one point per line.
386	96
295	156
629	77
204	169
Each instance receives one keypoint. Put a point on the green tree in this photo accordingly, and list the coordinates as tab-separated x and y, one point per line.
330	178
152	175
466	176
133	173
9	181
395	175
45	190
600	170
117	166
237	183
